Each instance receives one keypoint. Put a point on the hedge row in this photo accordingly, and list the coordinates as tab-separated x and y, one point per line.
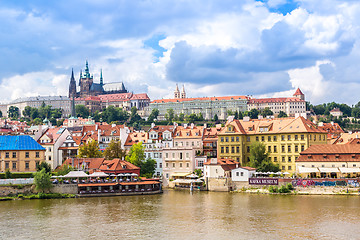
18	175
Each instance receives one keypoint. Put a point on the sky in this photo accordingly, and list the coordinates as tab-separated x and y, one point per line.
259	48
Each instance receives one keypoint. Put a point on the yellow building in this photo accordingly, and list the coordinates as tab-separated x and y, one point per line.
284	139
20	153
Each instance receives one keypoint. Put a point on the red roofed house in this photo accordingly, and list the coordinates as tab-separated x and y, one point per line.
219	168
207	106
289	105
117	166
329	160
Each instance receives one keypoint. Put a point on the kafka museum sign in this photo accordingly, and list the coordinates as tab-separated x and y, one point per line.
263	181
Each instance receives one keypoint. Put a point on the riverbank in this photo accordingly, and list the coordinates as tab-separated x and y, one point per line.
305	191
37	196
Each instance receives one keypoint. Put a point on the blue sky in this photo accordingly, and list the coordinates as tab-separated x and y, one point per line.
261	48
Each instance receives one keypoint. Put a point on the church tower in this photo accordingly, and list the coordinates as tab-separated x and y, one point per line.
72	85
183	94
177	92
86	80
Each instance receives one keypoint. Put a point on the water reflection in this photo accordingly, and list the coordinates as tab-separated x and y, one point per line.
181	215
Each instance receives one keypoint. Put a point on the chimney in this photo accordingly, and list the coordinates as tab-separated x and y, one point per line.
185	125
192	125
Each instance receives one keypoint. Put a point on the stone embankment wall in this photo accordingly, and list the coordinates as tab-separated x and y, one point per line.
14	190
64	188
219	184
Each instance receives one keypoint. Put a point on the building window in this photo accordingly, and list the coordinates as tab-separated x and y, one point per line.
269	138
160	165
283	167
283	159
37	154
26	154
248	149
275	159
167	164
257	139
232	150
187	165
248	139
237	174
242	174
296	148
226	139
237	139
237	149
289	148
181	155
289	159
222	150
275	149
274	138
232	139
167	175
173	165
200	163
49	149
289	137
49	158
7	165
302	147
296	137
282	148
14	154
282	137
227	149
289	167
263	139
222	139
302	137
27	165
7	155
181	165
13	165
269	148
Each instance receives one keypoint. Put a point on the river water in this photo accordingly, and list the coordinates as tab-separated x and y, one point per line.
181	215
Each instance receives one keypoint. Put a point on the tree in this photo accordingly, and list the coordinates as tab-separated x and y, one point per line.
134	116
153	115
147	168
63	170
267	112
191	118
355	112
27	111
198	172
282	114
43	165
240	115
13	112
8	174
114	150
42	180
82	111
90	150
253	114
216	118
259	158
136	154
169	115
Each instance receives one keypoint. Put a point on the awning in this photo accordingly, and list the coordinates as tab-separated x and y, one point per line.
308	170
76	174
98	174
349	170
180	174
328	170
187	181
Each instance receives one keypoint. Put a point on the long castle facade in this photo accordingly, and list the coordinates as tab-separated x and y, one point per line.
87	87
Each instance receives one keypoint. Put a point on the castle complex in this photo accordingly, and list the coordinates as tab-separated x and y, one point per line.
87	87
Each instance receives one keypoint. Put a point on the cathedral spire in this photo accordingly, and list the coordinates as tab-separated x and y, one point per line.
72	75
101	78
87	72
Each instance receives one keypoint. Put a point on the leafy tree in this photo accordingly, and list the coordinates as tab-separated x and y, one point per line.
34	113
259	158
240	115
147	168
355	112
37	121
253	114
216	118
169	115
43	165
27	111
59	122
114	150
200	117
267	112
191	118
136	154
198	172
63	170
236	115
153	115
42	180
90	150
13	112
111	114
96	116
82	111
181	117
282	114
134	116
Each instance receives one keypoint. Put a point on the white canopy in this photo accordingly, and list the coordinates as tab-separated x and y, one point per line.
134	174
187	181
286	173
76	174
328	170
192	176
308	170
98	174
349	170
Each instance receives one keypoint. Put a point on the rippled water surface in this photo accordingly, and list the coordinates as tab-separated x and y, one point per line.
181	215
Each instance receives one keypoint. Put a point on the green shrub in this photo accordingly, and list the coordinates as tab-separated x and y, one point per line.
290	186
16	175
273	189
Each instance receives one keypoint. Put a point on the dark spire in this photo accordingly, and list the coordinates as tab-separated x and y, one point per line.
72	75
87	72
73	113
72	85
101	78
80	77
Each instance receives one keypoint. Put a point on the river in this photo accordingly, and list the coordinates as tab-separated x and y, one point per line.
181	215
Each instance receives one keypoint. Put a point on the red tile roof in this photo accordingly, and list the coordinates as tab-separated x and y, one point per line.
272	100
298	92
200	99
